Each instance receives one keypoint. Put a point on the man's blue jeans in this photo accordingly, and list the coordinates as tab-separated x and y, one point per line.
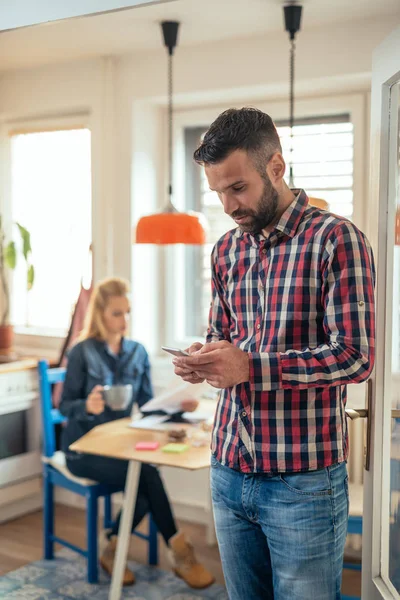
281	537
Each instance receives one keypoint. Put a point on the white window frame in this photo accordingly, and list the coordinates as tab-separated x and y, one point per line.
355	105
34	340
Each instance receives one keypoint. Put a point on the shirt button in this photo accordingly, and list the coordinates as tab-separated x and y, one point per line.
244	414
264	251
258	326
361	303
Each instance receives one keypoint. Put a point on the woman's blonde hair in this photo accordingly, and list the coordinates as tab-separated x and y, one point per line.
94	325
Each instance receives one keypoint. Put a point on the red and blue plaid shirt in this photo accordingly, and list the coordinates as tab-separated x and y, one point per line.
300	302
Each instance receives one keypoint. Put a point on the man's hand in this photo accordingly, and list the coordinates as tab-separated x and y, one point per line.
221	364
188	374
95	403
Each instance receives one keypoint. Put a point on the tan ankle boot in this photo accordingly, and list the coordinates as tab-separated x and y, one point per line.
185	564
107	561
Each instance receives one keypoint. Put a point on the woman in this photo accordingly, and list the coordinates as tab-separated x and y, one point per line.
103	357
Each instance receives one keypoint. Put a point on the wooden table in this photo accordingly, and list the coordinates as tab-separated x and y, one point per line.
117	440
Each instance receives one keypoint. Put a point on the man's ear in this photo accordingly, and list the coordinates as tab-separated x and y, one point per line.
276	169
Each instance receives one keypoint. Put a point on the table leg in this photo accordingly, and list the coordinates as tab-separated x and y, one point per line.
124	533
211	538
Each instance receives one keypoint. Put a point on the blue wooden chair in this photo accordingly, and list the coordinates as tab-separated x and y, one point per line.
55	473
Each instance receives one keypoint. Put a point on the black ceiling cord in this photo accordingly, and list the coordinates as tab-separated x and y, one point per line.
170	34
292	16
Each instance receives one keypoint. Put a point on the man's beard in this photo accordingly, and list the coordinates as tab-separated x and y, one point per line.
265	212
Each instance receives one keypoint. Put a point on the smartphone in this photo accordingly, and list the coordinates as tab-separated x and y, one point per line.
175	351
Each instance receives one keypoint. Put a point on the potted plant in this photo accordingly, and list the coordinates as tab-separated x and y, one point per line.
8	260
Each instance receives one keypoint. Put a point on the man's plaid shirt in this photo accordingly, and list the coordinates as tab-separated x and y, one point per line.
301	304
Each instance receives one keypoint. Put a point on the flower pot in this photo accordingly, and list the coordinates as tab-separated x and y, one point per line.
6	338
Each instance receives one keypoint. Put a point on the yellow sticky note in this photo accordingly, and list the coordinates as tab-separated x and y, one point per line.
175	448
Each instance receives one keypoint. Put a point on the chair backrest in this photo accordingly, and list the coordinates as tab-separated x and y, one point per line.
50	416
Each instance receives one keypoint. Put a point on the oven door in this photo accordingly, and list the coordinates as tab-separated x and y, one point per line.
20	456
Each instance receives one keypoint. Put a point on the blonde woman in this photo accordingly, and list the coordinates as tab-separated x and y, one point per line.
104	356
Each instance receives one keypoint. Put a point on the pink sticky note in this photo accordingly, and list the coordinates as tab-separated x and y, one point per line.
147	445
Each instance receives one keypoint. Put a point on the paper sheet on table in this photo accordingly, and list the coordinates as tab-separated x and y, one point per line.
148	422
160	422
153	423
171	399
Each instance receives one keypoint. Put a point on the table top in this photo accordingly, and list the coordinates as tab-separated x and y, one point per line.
117	440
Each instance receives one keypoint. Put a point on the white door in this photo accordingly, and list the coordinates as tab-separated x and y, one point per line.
381	518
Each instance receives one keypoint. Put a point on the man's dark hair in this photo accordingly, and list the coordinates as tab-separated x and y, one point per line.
247	129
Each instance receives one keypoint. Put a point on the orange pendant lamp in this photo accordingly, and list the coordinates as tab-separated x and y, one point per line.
171	226
319	203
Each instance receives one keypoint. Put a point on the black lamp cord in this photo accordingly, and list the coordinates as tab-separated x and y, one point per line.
170	91
291	100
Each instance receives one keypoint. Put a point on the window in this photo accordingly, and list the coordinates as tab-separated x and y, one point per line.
323	166
51	197
323	160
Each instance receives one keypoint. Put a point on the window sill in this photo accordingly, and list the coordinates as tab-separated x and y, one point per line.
40	331
36	342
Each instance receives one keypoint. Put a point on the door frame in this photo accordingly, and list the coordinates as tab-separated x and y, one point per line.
385	72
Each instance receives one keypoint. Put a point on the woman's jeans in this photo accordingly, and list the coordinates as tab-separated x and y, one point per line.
281	536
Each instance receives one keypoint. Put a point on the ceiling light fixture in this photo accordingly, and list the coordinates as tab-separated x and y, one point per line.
170	226
292	16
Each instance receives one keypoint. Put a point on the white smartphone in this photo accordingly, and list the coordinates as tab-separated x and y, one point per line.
175	351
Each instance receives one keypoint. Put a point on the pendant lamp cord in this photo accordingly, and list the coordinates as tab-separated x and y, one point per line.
170	149
291	67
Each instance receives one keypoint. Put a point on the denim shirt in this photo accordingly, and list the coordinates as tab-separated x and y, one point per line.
91	363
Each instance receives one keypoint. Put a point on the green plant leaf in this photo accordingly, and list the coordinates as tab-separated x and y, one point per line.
26	241
31	276
10	255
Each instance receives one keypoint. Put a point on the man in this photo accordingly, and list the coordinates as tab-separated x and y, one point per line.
291	324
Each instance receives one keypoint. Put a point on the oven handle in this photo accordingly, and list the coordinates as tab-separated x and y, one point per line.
11	405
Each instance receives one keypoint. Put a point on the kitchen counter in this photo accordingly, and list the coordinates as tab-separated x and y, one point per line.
21	364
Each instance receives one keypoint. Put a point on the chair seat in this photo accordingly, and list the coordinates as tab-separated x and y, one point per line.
57	461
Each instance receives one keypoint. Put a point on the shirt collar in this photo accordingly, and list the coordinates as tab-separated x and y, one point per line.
287	224
291	218
122	351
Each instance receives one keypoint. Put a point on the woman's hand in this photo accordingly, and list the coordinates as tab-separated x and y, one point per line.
95	403
189	405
